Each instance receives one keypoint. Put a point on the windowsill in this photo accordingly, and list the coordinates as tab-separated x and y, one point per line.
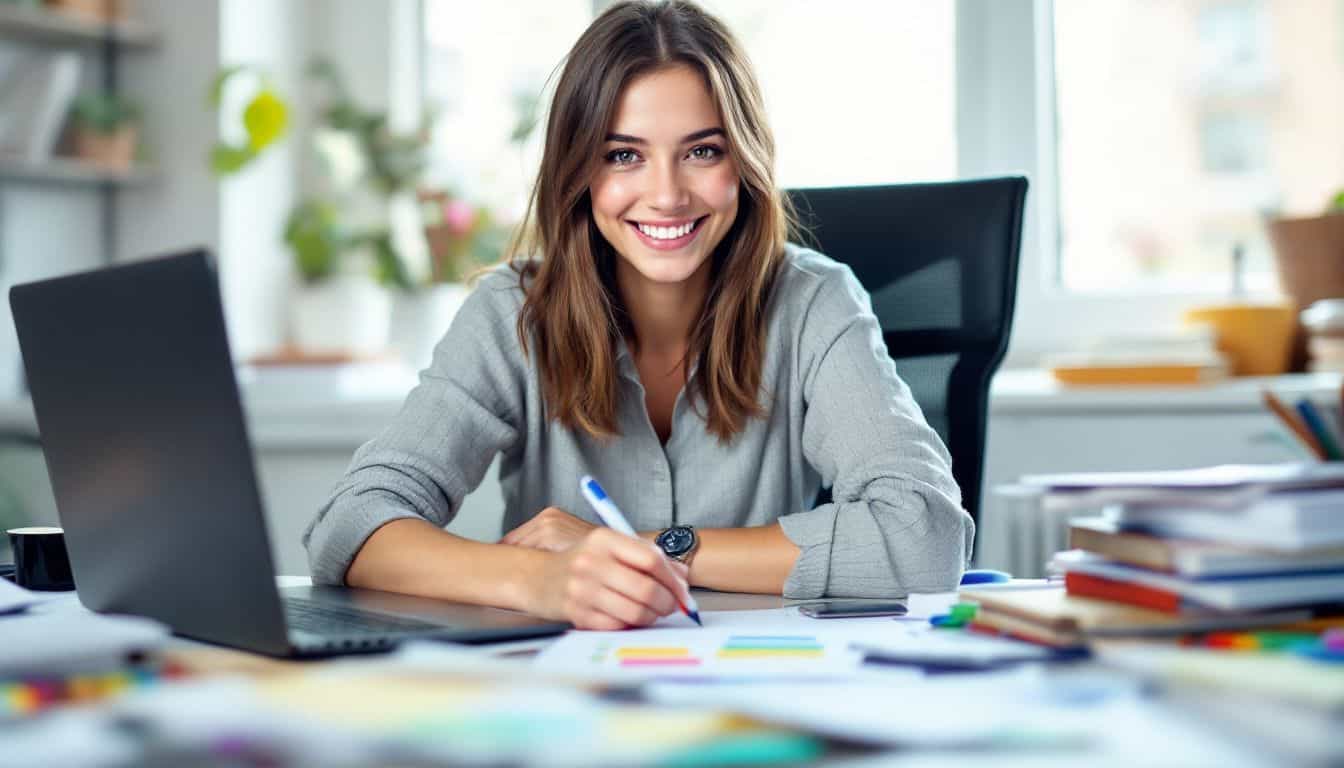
1024	391
333	409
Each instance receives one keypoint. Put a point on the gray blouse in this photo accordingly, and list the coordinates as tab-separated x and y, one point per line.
838	416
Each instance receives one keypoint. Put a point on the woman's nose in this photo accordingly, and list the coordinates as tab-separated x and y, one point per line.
669	189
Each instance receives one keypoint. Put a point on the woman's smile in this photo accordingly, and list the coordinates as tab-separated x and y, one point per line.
667	236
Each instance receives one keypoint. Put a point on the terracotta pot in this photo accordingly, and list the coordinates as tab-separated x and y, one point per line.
113	151
94	10
1309	254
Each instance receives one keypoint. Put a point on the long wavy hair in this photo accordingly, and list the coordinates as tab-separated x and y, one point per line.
573	316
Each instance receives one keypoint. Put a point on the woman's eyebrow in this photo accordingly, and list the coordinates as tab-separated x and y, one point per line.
700	134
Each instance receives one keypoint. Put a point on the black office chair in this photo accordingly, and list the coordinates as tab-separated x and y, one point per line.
940	261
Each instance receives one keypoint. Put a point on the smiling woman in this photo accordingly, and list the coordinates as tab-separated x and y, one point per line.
654	329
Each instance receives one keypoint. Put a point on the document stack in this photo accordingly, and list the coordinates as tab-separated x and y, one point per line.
1238	542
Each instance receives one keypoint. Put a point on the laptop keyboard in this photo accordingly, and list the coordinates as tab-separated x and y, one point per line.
323	618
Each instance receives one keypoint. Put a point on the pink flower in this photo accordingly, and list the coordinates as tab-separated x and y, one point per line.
459	216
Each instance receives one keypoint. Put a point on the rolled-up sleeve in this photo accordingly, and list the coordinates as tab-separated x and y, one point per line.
896	524
464	412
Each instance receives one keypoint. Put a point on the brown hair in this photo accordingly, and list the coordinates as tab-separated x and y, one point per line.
572	316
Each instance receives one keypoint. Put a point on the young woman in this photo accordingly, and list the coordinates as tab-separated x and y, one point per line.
658	333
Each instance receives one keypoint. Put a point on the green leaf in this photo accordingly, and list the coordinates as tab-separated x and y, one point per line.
314	235
1337	204
225	159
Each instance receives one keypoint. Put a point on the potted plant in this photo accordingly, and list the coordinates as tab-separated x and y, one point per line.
461	238
1309	255
338	308
106	130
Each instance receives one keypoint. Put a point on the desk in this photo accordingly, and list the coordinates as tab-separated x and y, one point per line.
1138	732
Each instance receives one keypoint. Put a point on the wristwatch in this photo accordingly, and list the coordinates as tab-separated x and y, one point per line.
678	542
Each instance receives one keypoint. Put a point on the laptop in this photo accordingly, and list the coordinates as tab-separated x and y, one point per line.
142	428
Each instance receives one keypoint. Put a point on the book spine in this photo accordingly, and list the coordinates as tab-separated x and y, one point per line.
1098	588
1135	549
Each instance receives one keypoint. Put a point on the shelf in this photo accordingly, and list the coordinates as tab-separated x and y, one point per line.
69	171
19	22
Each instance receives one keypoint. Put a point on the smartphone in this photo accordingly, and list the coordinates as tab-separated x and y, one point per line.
850	609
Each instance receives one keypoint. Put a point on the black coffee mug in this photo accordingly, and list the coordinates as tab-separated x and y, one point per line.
40	559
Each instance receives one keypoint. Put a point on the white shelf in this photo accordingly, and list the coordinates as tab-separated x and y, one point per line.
61	170
37	25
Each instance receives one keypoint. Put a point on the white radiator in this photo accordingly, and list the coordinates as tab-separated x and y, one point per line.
1019	534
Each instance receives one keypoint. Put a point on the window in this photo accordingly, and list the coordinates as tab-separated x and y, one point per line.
485	67
1180	124
857	91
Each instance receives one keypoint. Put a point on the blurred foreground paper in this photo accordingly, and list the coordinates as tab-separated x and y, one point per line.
66	642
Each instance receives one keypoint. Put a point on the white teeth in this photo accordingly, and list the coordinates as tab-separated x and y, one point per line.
666	233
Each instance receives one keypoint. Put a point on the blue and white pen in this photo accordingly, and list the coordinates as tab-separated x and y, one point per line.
611	515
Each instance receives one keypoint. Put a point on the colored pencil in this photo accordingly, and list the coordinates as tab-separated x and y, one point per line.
1312	418
1293	423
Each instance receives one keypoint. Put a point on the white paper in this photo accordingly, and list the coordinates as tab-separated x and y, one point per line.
15	598
731	649
73	641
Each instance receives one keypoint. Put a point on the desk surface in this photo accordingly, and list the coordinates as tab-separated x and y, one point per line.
1125	730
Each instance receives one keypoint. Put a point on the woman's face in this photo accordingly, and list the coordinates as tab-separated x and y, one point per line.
666	193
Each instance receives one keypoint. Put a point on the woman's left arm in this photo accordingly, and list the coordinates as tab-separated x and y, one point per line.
896	524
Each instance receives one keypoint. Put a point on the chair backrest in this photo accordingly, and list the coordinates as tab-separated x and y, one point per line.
940	262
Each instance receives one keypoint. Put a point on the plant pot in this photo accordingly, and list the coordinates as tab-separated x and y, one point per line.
94	10
419	320
113	151
347	315
1309	255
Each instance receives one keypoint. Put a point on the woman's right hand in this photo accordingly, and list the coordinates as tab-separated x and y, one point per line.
609	581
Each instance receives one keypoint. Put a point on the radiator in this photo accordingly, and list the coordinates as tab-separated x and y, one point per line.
1019	534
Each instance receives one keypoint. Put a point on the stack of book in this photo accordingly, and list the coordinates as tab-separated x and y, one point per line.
1235	542
1174	553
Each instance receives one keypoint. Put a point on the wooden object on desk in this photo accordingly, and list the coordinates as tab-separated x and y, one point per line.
1174	374
290	355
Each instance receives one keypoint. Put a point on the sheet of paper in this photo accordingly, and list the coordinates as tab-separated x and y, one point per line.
741	651
73	641
15	598
1021	717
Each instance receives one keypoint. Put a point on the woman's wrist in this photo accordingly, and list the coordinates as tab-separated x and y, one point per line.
524	588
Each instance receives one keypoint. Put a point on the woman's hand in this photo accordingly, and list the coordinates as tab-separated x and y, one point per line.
609	581
552	529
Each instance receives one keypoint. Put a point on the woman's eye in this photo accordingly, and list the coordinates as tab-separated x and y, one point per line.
705	152
622	156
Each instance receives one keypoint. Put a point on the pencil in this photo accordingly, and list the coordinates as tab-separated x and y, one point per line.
1293	424
1312	418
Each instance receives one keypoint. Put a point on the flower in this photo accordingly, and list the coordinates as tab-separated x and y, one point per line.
460	216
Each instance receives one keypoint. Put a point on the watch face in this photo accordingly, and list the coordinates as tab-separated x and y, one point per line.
676	541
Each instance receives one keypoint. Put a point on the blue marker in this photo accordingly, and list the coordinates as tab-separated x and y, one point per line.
611	515
985	576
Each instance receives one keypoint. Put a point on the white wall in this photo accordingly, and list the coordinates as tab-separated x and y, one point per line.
180	207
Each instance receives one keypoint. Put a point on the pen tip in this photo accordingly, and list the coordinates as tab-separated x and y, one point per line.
695	616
